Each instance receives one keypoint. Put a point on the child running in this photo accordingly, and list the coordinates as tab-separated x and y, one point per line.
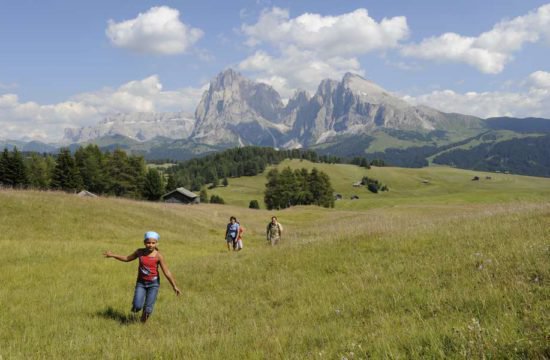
148	280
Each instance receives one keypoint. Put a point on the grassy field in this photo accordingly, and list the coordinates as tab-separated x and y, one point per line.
446	269
432	185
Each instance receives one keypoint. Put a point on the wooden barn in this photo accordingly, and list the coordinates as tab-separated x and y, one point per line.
181	196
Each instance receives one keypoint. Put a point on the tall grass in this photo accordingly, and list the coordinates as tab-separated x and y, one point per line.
431	280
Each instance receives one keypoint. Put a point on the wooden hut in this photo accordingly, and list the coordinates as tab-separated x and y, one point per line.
86	193
181	196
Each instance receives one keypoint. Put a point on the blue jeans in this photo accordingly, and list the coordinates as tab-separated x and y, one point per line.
145	294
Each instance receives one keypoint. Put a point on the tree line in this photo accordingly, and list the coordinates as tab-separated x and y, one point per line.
215	169
110	173
119	174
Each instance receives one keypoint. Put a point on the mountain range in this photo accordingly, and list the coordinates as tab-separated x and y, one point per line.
236	111
350	117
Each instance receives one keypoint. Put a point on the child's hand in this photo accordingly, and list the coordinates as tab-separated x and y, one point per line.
107	254
178	291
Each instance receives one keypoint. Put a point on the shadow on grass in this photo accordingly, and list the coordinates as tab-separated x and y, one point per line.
122	318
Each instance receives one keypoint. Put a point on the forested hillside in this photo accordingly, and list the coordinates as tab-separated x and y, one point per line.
527	156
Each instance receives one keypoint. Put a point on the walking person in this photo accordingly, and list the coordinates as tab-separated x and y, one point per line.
274	231
231	233
148	280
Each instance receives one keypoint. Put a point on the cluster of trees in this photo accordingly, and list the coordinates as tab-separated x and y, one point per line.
364	162
373	185
215	168
89	168
299	187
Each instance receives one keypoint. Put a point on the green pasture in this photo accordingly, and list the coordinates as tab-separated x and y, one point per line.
446	269
430	185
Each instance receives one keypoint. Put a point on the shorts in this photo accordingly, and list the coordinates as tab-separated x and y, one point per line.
229	239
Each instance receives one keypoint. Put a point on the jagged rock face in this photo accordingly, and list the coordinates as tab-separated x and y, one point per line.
137	126
356	105
235	110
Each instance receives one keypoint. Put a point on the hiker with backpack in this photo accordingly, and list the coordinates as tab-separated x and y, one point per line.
274	231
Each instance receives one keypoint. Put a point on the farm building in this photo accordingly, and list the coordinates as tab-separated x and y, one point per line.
86	193
182	196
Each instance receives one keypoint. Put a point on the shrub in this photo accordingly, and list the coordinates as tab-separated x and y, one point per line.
215	199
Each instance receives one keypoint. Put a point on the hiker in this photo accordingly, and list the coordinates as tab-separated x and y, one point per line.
231	233
274	231
148	280
239	242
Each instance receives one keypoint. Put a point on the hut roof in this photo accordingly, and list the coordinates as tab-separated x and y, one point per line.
86	193
182	191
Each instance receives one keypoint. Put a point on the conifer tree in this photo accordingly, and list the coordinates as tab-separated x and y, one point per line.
65	175
153	185
17	169
90	163
38	172
171	183
271	191
4	162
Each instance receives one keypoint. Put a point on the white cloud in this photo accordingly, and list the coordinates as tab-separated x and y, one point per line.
348	34
490	51
299	52
532	101
47	122
297	69
540	79
158	31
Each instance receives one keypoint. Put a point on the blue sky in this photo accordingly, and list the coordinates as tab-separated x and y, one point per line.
71	63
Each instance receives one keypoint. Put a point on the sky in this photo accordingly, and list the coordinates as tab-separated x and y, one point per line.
66	63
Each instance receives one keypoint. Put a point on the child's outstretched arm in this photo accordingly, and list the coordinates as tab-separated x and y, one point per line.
168	274
133	256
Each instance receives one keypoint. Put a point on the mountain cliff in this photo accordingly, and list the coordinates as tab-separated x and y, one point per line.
236	111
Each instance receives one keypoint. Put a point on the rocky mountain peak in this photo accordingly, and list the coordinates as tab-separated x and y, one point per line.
231	102
227	79
360	85
326	87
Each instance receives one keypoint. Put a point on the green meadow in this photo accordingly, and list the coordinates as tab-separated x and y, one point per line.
438	267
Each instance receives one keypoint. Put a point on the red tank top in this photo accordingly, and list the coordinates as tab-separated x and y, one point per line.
148	268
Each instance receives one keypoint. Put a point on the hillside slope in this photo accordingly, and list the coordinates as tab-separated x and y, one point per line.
433	185
412	280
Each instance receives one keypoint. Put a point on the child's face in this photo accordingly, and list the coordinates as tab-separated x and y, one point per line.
150	244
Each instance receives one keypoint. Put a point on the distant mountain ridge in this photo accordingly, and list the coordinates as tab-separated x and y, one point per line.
137	126
236	111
